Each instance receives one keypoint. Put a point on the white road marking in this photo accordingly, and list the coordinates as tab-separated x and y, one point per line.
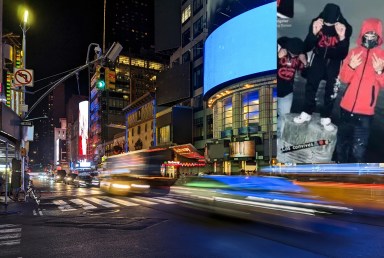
10	242
10	236
102	203
10	230
85	205
142	201
119	201
159	199
63	206
9	225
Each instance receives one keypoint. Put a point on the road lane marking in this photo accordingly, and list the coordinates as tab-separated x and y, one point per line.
102	203
159	199
85	205
10	242
10	230
63	206
10	236
9	225
142	201
119	201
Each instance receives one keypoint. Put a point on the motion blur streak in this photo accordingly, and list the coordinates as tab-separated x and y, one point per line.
269	206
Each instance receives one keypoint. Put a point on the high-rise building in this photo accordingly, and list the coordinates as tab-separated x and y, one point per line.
131	23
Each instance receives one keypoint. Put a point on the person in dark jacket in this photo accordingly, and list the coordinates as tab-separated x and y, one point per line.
362	71
290	59
328	37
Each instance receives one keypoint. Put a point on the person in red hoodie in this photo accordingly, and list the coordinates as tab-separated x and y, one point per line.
362	72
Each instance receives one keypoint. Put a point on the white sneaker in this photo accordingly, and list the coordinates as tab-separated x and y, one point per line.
326	122
303	117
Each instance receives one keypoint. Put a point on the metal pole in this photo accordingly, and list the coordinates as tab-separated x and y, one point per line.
6	174
1	48
24	45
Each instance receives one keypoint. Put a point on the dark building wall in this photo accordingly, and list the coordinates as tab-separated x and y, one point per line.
73	108
182	125
58	110
167	25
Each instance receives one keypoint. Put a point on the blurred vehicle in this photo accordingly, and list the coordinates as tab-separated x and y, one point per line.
95	181
123	185
68	179
271	200
60	174
135	171
43	176
82	180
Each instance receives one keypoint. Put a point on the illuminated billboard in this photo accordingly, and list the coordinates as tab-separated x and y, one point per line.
245	149
330	110
83	127
242	47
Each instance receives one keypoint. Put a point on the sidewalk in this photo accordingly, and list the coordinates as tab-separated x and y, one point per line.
11	207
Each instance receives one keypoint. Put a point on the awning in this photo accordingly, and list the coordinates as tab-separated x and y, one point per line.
188	151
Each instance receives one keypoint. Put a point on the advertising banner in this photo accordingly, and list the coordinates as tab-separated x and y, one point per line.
330	61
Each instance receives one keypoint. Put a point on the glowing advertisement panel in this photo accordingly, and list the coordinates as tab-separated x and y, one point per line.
243	46
330	77
83	127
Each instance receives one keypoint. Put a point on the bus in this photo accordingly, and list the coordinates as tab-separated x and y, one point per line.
135	171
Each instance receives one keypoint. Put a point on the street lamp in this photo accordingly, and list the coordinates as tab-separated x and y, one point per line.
24	28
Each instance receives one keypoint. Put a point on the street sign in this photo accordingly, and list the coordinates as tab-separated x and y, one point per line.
22	77
26	123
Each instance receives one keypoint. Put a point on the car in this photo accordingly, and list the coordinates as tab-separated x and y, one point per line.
95	181
82	181
123	185
60	174
68	179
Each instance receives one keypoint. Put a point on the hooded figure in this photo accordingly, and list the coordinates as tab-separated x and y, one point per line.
328	37
291	58
362	72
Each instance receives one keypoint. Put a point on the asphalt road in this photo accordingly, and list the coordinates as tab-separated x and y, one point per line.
84	222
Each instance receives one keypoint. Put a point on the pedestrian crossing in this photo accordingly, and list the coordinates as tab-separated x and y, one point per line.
97	202
10	239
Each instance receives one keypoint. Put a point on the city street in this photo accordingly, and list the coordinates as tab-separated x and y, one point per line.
88	223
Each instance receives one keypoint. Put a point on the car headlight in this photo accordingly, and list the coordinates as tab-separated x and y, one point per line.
140	186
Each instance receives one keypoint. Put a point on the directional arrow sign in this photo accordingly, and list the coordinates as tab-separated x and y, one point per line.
22	77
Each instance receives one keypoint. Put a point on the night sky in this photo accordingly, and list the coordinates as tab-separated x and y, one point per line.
58	38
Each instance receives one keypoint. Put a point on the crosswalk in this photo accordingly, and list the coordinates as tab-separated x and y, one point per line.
10	239
97	202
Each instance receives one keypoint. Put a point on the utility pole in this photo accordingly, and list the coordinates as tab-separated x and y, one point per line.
1	48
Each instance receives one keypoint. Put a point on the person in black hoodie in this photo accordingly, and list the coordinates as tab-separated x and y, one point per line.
328	37
291	58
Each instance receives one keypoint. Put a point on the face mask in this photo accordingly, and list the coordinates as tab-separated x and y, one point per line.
369	41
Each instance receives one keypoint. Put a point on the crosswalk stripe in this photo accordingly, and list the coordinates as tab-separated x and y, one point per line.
119	201
85	205
176	200
10	230
10	242
159	199
63	206
142	201
9	225
10	236
102	203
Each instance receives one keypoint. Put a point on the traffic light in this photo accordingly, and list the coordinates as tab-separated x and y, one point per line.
100	84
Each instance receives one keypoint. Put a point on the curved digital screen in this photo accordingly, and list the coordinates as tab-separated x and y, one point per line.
243	46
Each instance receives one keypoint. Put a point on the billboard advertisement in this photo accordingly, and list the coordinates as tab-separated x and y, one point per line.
243	46
83	127
330	63
245	149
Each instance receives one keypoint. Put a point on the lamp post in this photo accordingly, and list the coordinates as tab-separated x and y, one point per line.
24	28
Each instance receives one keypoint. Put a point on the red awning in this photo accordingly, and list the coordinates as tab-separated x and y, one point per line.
188	151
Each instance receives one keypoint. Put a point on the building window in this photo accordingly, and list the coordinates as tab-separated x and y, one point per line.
138	130
146	127
250	108
197	6
209	126
198	50
228	113
186	57
186	14
198	130
138	113
198	27
133	131
186	38
198	77
165	134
